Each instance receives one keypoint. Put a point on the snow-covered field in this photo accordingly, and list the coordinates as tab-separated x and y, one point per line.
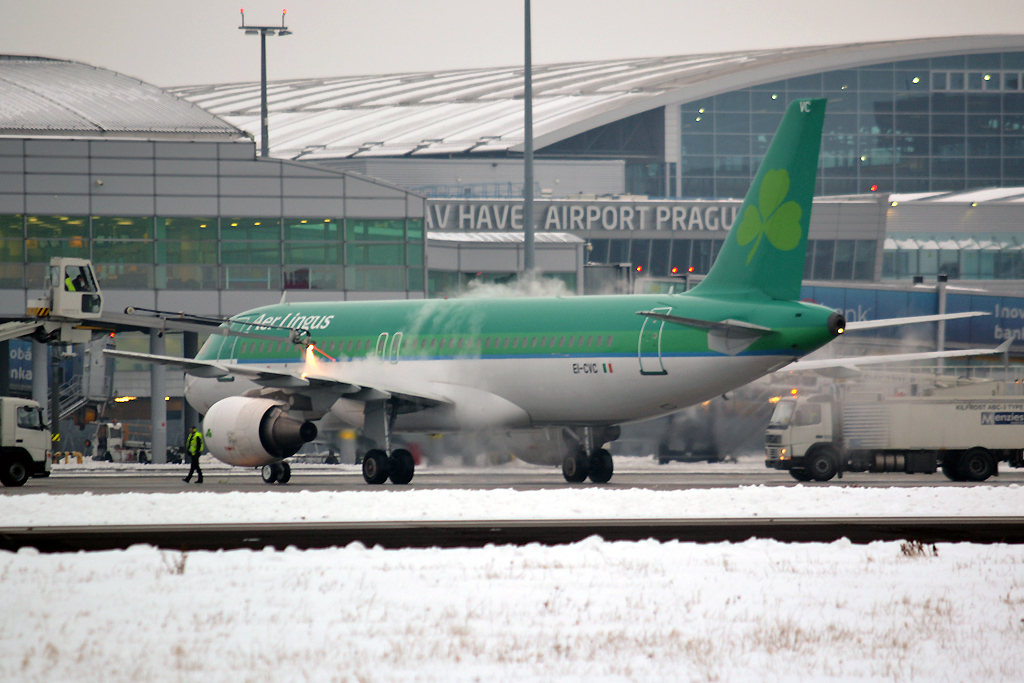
592	611
206	507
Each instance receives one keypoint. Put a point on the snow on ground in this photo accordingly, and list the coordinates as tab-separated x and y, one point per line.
193	506
592	611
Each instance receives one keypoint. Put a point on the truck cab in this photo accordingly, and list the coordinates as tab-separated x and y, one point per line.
24	442
800	436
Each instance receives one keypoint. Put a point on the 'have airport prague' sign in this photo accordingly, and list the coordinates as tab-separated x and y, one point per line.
562	215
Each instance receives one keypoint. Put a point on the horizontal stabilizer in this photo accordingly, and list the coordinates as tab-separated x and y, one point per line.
851	363
724	336
721	325
859	325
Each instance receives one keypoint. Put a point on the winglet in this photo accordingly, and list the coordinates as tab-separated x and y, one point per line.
1004	347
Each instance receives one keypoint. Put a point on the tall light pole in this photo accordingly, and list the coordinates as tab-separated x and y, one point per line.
528	260
263	32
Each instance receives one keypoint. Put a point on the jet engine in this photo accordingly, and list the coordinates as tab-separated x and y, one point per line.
251	432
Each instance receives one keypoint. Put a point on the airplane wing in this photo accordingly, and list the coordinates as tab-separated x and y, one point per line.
851	364
300	383
192	325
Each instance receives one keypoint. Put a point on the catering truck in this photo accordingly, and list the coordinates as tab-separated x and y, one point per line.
965	430
24	441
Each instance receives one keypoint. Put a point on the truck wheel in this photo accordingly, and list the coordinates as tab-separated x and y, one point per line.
821	464
977	465
951	467
13	472
800	475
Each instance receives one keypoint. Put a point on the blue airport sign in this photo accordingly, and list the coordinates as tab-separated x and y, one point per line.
1006	319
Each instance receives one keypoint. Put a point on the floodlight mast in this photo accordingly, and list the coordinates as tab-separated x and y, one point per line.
263	31
528	221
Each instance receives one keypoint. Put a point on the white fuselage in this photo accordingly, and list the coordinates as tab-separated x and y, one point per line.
480	393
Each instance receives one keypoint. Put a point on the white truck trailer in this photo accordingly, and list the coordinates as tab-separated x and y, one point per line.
964	430
24	441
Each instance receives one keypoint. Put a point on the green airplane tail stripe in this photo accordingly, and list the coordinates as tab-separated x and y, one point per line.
765	250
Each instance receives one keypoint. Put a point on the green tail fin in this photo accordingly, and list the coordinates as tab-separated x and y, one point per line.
765	250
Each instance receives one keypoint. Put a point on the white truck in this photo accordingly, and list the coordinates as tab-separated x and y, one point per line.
24	441
964	430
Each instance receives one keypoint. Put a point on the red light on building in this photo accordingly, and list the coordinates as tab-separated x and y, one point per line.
639	269
874	188
675	270
690	269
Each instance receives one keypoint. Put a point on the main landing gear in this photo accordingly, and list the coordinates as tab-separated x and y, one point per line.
276	473
585	461
378	467
577	466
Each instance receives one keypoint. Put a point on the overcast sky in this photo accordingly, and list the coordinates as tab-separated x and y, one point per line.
185	42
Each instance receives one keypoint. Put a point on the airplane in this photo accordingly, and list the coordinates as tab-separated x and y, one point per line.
561	373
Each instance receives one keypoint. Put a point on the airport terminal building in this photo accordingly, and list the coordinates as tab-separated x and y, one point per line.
938	123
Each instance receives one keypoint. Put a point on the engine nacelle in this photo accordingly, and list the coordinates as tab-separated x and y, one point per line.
251	432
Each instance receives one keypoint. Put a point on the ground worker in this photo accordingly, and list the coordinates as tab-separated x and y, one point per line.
194	446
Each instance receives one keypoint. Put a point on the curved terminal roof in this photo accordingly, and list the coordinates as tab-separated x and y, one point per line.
40	96
481	110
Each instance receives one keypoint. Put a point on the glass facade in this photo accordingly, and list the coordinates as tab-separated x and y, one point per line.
947	123
218	253
957	256
826	259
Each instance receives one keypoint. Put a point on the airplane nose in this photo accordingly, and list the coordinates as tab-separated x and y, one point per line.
836	324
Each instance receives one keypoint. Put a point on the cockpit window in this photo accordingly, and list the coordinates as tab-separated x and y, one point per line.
783	413
30	417
807	415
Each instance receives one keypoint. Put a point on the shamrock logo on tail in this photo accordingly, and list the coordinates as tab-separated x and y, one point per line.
779	222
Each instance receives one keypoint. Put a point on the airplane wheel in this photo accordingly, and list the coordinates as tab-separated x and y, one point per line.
575	466
269	473
402	466
284	473
375	466
601	467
